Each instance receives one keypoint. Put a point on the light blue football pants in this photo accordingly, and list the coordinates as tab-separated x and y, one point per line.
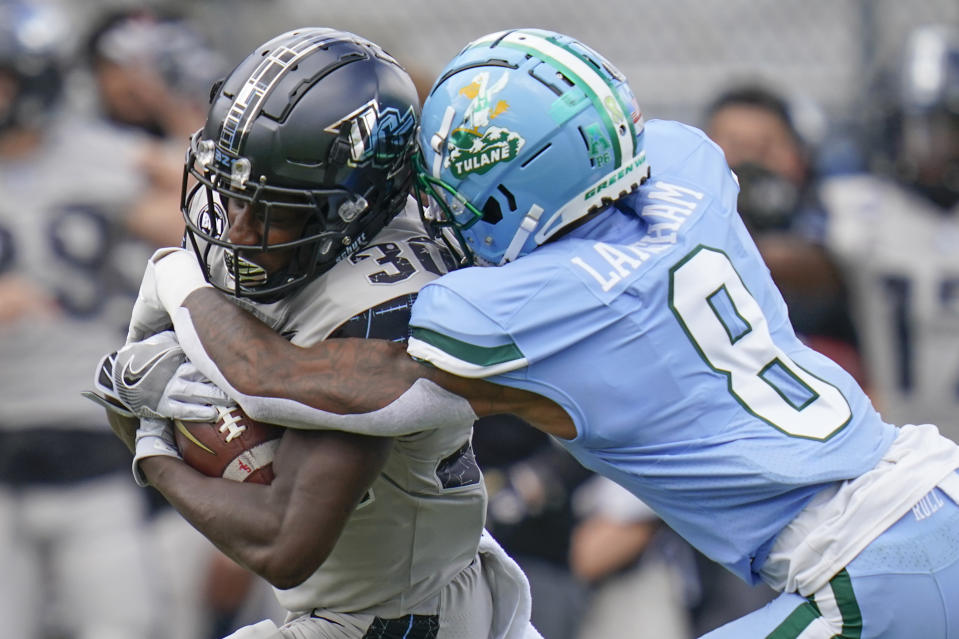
904	585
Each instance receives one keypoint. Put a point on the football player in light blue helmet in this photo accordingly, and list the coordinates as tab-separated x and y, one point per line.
514	112
649	340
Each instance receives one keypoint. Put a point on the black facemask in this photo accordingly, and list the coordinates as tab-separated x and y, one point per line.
767	201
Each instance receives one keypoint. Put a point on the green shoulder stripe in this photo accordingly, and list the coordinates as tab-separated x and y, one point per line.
477	355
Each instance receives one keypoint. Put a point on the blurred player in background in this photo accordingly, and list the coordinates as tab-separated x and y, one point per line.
71	547
641	573
302	212
897	232
149	74
757	130
152	71
621	305
531	481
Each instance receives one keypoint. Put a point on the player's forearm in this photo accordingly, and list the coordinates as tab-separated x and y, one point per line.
237	518
345	375
285	530
256	526
365	386
362	386
340	376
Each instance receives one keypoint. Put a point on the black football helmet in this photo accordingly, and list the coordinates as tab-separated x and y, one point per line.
31	62
315	120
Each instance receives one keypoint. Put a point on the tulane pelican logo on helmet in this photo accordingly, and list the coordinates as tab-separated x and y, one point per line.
476	147
525	133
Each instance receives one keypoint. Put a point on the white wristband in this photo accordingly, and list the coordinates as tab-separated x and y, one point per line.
150	446
154	437
177	274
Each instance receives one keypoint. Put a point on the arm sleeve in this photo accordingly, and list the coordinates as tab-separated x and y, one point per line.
424	406
456	336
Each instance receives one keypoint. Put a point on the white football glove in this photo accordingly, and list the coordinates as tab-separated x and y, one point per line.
148	316
265	629
190	396
154	437
154	380
103	392
170	275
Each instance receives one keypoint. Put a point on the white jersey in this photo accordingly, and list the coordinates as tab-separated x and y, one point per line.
901	258
61	233
420	523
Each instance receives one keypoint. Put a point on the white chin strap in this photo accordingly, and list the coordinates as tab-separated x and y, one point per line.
526	228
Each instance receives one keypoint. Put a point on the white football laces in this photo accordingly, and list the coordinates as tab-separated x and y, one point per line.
230	425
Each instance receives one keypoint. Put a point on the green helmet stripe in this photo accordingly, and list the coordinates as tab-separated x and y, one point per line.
597	87
616	94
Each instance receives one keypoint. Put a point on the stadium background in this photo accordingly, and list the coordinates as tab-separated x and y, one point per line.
677	54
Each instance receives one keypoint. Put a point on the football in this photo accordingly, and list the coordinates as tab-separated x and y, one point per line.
233	447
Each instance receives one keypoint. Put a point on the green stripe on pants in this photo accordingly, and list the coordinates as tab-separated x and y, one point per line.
840	593
795	623
841	586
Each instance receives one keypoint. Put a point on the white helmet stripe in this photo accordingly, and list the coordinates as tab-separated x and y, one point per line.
583	73
249	99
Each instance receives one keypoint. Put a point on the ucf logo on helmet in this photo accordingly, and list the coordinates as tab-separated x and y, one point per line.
381	137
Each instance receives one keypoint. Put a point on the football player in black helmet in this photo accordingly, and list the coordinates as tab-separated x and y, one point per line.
296	200
309	137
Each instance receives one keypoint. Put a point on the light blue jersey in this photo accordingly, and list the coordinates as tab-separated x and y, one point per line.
659	330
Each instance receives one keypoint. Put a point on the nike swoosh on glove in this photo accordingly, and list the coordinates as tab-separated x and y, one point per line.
104	392
154	380
142	371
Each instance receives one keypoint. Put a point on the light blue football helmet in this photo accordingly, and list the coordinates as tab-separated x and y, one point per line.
524	133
